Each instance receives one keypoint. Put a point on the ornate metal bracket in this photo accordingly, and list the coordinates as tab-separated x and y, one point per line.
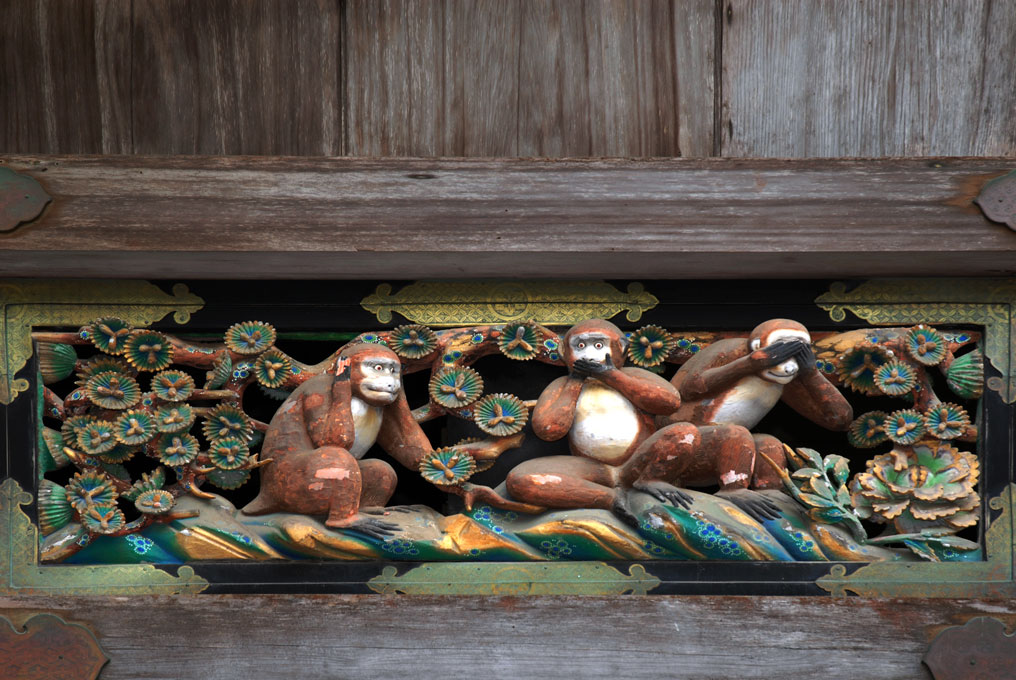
979	649
998	200
22	199
49	647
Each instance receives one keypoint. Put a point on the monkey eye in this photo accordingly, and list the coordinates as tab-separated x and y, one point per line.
599	345
582	345
378	367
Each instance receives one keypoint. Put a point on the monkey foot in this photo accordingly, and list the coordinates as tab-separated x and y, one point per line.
663	492
385	510
757	506
375	528
622	509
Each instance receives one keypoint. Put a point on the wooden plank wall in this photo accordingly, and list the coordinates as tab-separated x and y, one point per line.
556	78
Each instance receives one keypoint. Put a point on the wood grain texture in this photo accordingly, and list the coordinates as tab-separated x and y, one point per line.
343	218
237	77
65	76
315	637
811	78
560	78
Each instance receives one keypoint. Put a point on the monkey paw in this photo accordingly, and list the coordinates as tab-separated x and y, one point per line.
385	510
663	492
375	528
623	511
757	506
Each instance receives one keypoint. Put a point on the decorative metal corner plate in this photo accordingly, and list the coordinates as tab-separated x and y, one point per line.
998	200
22	199
22	575
979	649
49	648
69	302
463	578
465	303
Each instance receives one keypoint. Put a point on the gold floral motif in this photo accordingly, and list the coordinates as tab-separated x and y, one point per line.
467	303
68	302
986	302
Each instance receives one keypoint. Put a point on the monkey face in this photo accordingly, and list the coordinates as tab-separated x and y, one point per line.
594	340
377	379
786	371
590	346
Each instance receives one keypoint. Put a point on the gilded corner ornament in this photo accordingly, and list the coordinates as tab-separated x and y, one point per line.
461	578
552	303
48	647
22	199
22	575
75	302
984	302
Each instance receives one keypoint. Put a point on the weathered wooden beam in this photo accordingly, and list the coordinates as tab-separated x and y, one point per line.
311	637
357	218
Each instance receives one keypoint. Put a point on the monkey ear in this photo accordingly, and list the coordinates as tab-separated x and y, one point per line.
623	341
755	344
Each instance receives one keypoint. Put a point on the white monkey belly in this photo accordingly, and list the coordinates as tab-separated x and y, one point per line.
748	402
605	423
366	424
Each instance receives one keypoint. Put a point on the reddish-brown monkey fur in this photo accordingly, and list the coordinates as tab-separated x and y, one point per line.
729	386
320	431
608	413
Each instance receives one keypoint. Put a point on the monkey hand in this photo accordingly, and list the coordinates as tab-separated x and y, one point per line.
375	528
663	492
806	358
754	504
472	493
775	354
342	368
593	368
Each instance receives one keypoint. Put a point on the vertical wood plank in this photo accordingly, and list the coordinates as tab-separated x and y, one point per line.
65	76
237	77
558	78
820	78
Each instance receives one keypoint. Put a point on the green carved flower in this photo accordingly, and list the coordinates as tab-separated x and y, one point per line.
229	453
858	365
500	415
103	519
172	385
134	427
456	386
519	341
929	484
54	507
177	449
946	421
273	368
895	378
149	482
170	418
866	430
965	375
149	350
904	427
97	437
926	345
90	488
250	337
227	420
412	341
447	467
221	371
112	390
120	453
229	479
56	361
154	502
109	334
650	346
103	364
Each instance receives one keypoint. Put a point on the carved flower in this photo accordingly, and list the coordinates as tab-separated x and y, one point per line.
177	449
904	427
866	430
650	346
925	345
273	368
90	488
895	378
149	350
229	479
221	371
447	467
519	341
456	386
501	415
946	421
112	390
97	437
250	337
103	364
226	420
120	453
109	334
412	341
229	453
154	502
171	418
172	385
134	427
102	519
929	484
965	375
858	365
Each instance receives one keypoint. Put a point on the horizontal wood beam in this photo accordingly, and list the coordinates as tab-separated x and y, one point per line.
327	636
224	217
